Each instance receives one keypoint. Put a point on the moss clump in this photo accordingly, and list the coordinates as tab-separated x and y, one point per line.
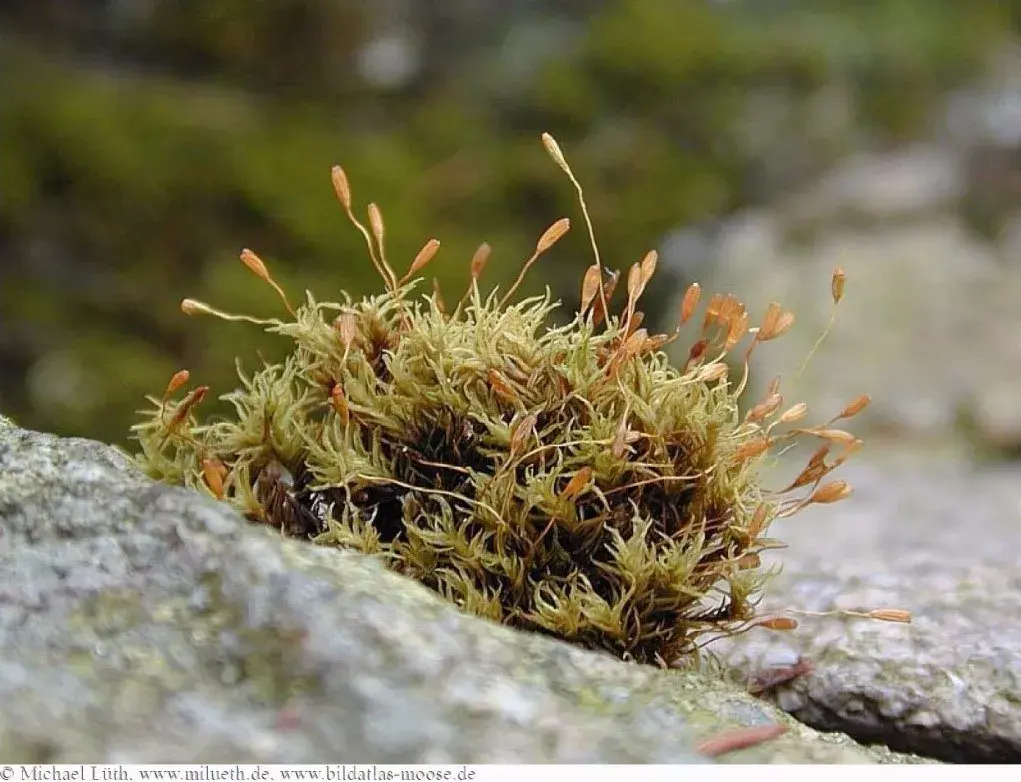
565	480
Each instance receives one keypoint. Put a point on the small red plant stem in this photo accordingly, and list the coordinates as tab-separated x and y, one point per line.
774	677
739	738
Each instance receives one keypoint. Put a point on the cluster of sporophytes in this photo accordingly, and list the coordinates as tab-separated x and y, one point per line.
568	480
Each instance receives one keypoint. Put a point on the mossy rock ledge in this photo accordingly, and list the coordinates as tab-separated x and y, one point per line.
145	623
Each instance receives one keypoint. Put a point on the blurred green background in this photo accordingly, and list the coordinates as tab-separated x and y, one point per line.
144	142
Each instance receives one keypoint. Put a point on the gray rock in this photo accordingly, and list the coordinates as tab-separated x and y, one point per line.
941	543
928	324
989	113
915	180
995	414
143	623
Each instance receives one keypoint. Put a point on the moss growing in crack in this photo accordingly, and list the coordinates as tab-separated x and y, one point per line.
565	480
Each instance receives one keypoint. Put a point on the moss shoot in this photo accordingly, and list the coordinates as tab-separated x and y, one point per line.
566	480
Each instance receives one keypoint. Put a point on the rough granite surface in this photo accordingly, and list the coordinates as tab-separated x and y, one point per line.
940	542
144	623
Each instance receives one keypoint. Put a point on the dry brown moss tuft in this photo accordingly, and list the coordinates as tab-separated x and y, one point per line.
564	480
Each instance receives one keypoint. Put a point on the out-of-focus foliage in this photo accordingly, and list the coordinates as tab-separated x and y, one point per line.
141	143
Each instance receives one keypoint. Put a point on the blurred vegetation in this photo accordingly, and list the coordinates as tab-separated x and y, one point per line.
144	143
